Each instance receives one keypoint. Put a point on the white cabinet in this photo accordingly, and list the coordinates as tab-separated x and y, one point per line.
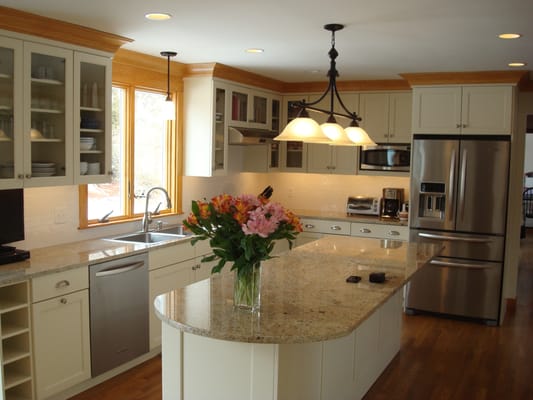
205	126
386	117
293	154
37	107
463	109
61	331
326	226
92	119
173	267
15	330
380	231
323	158
250	108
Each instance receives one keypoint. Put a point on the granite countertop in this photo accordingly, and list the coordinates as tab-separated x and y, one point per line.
66	256
304	295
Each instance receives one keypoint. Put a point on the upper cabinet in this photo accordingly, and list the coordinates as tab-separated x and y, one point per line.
326	159
386	117
250	108
92	119
40	133
463	109
11	146
205	126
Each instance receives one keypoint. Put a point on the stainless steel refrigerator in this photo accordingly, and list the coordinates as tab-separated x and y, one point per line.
458	196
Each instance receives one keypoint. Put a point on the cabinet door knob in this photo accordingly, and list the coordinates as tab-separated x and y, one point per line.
62	284
365	230
309	226
63	301
394	233
464	126
335	228
20	176
458	125
27	176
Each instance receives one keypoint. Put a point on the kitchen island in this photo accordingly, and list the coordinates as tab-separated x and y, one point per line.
316	336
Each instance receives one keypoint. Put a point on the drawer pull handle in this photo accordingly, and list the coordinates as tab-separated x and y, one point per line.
309	226
62	284
365	230
63	301
394	233
335	228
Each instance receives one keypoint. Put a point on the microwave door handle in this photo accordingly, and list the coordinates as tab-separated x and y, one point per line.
464	163
451	184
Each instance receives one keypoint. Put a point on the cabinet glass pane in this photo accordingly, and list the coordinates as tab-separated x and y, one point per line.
239	107
47	115
92	119
294	155
275	115
274	155
6	113
260	110
219	139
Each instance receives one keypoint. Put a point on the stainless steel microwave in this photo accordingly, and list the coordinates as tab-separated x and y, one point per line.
396	157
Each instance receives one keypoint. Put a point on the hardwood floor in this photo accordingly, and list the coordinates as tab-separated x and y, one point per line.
440	359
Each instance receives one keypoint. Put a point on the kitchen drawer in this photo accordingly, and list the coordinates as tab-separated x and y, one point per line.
380	231
58	284
168	255
326	226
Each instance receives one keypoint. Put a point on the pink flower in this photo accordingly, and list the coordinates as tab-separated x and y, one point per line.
261	222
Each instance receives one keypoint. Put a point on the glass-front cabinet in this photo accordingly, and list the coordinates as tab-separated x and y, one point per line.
274	155
10	113
47	128
219	137
293	153
92	121
249	108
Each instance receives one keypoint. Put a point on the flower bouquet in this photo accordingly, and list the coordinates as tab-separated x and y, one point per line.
242	231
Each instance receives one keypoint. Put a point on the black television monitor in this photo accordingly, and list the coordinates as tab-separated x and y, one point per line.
11	215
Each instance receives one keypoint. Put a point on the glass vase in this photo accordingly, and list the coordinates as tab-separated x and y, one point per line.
247	288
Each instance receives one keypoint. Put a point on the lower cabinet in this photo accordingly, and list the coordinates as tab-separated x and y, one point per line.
61	336
380	231
15	334
171	268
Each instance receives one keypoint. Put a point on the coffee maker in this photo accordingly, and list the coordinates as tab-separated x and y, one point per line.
391	203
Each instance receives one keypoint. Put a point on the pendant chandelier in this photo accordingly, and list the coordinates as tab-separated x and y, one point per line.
169	111
305	129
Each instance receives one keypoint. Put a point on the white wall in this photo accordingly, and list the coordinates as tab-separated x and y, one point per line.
51	214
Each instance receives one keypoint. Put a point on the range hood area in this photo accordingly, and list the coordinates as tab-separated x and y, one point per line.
250	136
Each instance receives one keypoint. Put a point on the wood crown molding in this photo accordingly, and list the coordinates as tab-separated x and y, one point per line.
54	29
460	78
143	70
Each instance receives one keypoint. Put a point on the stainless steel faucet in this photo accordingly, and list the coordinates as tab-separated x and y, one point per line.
147	218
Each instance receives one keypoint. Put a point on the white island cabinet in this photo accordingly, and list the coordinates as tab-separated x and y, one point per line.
316	336
60	314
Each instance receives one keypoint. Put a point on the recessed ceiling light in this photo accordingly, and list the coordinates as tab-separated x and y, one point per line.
509	35
157	16
517	64
254	50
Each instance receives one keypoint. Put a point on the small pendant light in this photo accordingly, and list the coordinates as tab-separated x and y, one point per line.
169	111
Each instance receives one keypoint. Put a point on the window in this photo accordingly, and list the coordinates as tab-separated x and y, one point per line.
143	156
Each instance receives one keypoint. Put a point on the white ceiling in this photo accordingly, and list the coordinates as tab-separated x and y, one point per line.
381	38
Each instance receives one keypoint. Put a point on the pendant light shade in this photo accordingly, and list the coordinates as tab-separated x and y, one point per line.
169	110
304	129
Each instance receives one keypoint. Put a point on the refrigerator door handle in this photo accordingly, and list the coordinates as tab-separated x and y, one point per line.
454	238
451	214
464	164
454	264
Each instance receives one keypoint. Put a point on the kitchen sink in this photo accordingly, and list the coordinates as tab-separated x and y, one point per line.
149	237
174	230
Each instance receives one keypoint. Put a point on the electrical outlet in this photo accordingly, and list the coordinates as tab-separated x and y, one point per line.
60	215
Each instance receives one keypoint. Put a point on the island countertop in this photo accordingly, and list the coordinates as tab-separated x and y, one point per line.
304	294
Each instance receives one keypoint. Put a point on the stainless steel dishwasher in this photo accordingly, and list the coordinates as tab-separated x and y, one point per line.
119	311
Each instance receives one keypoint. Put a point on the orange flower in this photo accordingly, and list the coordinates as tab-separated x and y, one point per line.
204	210
222	203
